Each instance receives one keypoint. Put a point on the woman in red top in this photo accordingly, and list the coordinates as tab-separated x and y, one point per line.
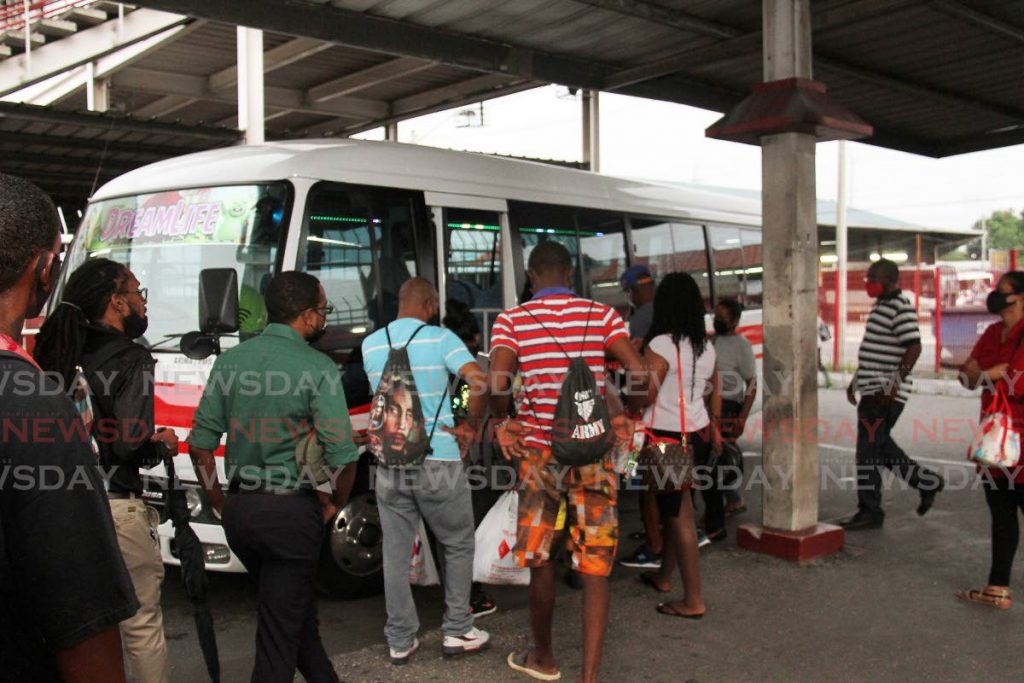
997	362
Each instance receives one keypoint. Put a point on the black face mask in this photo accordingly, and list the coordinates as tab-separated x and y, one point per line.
721	326
317	334
996	301
135	325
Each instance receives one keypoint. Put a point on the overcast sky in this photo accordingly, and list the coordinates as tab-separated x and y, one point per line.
648	139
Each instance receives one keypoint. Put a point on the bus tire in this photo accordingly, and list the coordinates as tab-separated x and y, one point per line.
351	560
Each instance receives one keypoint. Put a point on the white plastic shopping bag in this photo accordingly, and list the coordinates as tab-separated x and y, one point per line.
422	568
494	562
996	443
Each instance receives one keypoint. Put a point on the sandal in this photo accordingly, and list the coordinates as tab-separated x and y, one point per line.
668	610
993	596
517	661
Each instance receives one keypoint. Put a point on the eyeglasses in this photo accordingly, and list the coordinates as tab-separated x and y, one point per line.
143	292
325	310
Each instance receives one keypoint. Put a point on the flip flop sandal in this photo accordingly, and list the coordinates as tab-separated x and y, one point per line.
669	611
992	597
648	580
517	662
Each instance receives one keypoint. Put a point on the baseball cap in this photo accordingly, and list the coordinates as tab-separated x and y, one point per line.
635	275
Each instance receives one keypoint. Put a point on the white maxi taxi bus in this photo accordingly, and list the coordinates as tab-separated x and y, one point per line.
363	217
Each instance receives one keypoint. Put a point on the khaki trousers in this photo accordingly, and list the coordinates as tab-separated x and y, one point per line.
142	634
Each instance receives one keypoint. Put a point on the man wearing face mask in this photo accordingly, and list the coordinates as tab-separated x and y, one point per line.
638	281
102	309
63	585
888	352
271	395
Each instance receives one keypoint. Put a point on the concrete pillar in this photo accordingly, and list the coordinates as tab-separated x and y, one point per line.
250	84
391	132
790	338
592	130
790	287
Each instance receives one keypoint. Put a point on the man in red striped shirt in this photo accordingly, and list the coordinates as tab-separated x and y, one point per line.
522	339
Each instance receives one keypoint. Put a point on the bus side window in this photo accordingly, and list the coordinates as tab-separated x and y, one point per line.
727	252
538	223
602	237
672	247
360	243
753	260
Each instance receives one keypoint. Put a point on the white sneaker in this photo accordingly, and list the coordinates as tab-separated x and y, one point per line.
474	641
400	657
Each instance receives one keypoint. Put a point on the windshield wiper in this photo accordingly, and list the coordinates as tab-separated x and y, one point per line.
167	339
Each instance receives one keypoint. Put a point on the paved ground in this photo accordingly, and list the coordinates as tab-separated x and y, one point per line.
882	610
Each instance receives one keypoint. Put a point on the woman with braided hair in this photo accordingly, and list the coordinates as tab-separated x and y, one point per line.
102	310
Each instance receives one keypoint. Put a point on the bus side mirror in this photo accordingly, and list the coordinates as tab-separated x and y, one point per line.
218	312
198	346
218	300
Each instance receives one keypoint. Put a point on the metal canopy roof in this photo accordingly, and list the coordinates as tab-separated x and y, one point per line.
934	77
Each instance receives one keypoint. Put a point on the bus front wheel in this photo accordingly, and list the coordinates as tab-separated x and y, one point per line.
351	561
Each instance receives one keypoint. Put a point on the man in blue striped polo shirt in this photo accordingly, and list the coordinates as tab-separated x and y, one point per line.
888	352
438	489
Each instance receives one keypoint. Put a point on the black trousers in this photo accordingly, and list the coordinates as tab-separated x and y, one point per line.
876	449
1004	500
278	539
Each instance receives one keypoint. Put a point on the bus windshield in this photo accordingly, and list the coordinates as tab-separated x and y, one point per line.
167	238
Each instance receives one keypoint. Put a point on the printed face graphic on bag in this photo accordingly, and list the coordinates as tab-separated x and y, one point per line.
398	419
584	404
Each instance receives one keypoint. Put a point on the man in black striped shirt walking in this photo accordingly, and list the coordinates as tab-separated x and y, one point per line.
888	352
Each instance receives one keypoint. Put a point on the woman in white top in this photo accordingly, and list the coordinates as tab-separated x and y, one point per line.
677	342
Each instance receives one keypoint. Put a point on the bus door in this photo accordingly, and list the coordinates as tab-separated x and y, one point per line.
362	243
474	272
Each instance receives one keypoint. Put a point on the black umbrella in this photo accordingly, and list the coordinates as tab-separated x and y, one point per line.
193	570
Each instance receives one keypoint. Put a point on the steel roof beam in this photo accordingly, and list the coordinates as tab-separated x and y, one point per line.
390	36
294	50
84	46
169	83
58	87
475	86
97	144
837	14
666	16
960	11
367	78
166	105
111	122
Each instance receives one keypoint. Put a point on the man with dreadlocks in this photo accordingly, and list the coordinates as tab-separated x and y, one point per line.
63	585
102	310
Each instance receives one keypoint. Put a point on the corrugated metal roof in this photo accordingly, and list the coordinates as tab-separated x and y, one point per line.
935	77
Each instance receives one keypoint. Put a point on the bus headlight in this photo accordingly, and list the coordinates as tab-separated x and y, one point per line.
194	501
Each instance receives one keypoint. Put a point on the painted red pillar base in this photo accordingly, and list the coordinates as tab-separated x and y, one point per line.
820	540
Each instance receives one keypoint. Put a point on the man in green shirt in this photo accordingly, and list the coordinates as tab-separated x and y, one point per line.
275	398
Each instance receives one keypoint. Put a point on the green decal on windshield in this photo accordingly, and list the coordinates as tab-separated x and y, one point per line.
220	215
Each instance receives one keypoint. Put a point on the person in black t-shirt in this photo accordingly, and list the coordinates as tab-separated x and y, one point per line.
63	585
102	309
